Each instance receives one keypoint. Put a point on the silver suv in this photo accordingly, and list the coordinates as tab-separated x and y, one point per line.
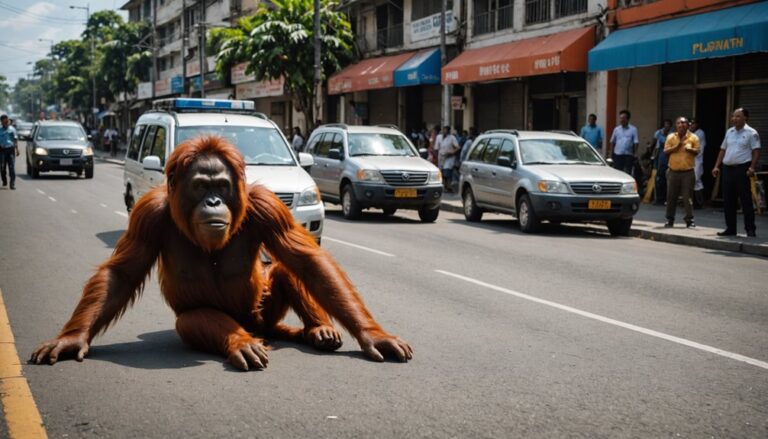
364	167
269	158
552	176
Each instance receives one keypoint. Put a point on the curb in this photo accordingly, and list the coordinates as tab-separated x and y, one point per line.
643	233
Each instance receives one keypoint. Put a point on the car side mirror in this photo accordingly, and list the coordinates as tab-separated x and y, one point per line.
334	154
506	162
152	163
90	136
609	161
306	160
423	153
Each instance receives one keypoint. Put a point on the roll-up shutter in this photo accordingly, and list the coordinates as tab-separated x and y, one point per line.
382	106
487	107
511	105
431	104
676	103
754	99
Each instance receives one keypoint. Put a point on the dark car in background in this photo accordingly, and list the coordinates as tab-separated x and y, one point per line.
59	146
24	130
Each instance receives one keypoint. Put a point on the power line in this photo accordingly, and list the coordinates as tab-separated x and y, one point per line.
27	14
14	48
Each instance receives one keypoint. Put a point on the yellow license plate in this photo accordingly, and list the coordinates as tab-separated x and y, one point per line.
599	204
405	193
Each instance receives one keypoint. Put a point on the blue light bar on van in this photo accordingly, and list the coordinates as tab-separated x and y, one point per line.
180	104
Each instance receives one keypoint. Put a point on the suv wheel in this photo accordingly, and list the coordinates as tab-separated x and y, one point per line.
619	226
88	172
529	222
427	215
349	205
472	212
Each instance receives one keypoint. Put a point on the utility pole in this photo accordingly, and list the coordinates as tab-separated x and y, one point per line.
201	48
87	9
184	41
318	110
153	72
446	113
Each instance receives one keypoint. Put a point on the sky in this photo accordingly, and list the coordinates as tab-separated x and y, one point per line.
25	22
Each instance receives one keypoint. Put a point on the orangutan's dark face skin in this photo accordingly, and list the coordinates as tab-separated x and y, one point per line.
210	187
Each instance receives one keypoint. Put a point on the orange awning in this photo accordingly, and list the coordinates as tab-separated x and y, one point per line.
368	74
560	52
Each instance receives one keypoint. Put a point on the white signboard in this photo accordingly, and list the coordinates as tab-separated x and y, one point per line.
144	91
429	27
260	89
238	75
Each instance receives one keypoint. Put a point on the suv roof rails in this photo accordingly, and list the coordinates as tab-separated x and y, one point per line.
388	125
513	132
261	115
343	126
564	132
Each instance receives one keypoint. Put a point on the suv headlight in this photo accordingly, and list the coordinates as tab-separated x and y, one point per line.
88	151
435	177
629	188
41	151
553	187
371	175
309	196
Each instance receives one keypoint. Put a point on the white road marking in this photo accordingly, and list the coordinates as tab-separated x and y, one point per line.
73	211
40	192
610	321
123	214
52	199
378	252
103	205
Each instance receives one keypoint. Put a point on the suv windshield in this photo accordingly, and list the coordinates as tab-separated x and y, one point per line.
52	132
260	146
379	144
558	152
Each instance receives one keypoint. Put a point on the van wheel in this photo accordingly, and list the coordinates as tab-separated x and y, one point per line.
472	212
89	173
619	226
349	205
427	215
129	200
529	222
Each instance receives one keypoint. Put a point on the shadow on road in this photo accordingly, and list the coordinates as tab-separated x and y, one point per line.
374	216
548	230
110	238
155	350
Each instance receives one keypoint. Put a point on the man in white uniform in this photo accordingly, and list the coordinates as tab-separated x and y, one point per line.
698	194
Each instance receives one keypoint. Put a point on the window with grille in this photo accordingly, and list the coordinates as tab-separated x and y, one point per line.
425	8
492	15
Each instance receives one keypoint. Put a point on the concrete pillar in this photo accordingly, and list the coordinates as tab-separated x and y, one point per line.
468	115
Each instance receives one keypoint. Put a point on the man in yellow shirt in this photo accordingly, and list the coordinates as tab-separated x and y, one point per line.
681	147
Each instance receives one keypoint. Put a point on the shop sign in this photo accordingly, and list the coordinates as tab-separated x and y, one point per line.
429	27
238	76
144	90
162	87
714	46
260	89
546	63
457	102
494	69
177	84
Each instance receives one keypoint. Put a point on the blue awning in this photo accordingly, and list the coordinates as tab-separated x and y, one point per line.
421	68
727	32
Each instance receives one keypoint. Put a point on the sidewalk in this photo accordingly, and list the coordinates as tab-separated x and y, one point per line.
649	224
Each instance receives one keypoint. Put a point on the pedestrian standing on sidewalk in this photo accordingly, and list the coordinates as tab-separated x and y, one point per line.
593	133
298	141
448	147
661	162
698	189
624	142
9	145
681	147
738	155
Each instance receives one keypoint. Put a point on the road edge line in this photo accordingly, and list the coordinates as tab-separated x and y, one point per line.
22	417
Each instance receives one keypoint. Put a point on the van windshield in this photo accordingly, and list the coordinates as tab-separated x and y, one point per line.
260	146
560	152
60	132
379	144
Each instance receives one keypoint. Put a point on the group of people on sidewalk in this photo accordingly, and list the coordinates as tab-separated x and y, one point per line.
679	163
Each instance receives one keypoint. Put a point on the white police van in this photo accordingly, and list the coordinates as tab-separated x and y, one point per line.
269	158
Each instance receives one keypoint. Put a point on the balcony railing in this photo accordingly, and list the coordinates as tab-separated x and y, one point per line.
389	37
492	21
541	11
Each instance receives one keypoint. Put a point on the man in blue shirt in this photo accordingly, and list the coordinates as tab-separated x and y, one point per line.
624	141
8	145
592	133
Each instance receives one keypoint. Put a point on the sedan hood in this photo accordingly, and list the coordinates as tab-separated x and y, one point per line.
385	163
279	178
62	144
579	173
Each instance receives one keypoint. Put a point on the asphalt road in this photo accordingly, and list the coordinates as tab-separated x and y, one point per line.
566	333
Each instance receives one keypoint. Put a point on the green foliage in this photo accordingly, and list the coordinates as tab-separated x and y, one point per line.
278	40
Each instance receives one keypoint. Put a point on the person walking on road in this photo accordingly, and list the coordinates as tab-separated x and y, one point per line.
9	145
681	147
448	147
661	162
593	133
738	156
624	141
698	189
298	141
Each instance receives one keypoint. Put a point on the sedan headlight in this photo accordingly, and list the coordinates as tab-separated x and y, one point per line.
553	187
370	175
88	151
629	188
41	151
309	196
435	177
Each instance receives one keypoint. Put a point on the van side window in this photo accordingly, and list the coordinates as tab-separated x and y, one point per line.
477	152
146	146
312	144
508	150
489	155
133	149
323	145
158	146
338	143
